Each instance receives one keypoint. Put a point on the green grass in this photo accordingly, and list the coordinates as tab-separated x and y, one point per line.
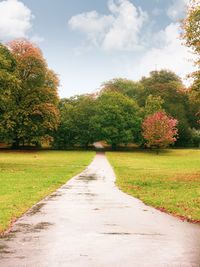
169	181
27	177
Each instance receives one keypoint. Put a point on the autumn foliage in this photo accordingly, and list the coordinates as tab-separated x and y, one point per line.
31	113
191	26
159	130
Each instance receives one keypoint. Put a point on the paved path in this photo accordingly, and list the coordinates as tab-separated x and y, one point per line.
90	223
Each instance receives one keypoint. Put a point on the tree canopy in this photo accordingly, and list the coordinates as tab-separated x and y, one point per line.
191	35
32	114
75	127
159	130
117	120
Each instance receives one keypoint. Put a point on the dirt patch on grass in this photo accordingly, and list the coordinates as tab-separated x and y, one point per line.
186	177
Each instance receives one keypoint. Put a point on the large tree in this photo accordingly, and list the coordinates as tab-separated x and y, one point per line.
165	84
191	26
117	119
8	81
33	113
191	35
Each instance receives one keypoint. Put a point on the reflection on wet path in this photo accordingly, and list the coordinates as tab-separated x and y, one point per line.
90	223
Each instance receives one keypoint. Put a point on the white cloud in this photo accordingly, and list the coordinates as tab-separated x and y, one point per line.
171	55
178	9
120	30
92	24
15	19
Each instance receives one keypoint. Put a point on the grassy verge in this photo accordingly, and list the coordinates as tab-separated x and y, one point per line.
27	177
169	181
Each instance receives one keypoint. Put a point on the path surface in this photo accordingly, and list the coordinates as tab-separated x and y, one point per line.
90	223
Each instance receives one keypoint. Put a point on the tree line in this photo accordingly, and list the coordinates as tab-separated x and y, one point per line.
118	112
156	111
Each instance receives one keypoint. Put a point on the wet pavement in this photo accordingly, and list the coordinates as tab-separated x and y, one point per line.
90	223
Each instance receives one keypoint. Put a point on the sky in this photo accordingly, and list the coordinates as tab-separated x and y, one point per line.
88	42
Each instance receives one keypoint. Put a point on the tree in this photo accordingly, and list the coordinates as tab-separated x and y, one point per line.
191	26
85	109
159	130
165	84
8	81
65	135
194	104
153	104
170	88
76	127
191	35
124	86
33	114
117	119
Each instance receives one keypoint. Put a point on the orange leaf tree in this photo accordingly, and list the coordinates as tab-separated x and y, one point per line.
33	113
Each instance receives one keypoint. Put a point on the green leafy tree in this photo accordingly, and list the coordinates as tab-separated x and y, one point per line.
33	114
169	87
84	111
65	135
191	35
124	86
117	120
153	104
75	127
8	81
165	84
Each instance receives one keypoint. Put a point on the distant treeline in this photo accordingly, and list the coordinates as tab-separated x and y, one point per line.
117	112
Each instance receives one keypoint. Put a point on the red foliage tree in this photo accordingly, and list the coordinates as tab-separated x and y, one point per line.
159	130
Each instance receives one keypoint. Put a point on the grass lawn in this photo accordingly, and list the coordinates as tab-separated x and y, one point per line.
169	181
27	177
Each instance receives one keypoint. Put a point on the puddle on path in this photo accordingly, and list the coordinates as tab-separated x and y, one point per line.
4	249
87	194
35	209
42	226
54	196
126	233
31	228
87	178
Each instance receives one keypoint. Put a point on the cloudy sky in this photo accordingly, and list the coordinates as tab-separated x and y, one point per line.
87	42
